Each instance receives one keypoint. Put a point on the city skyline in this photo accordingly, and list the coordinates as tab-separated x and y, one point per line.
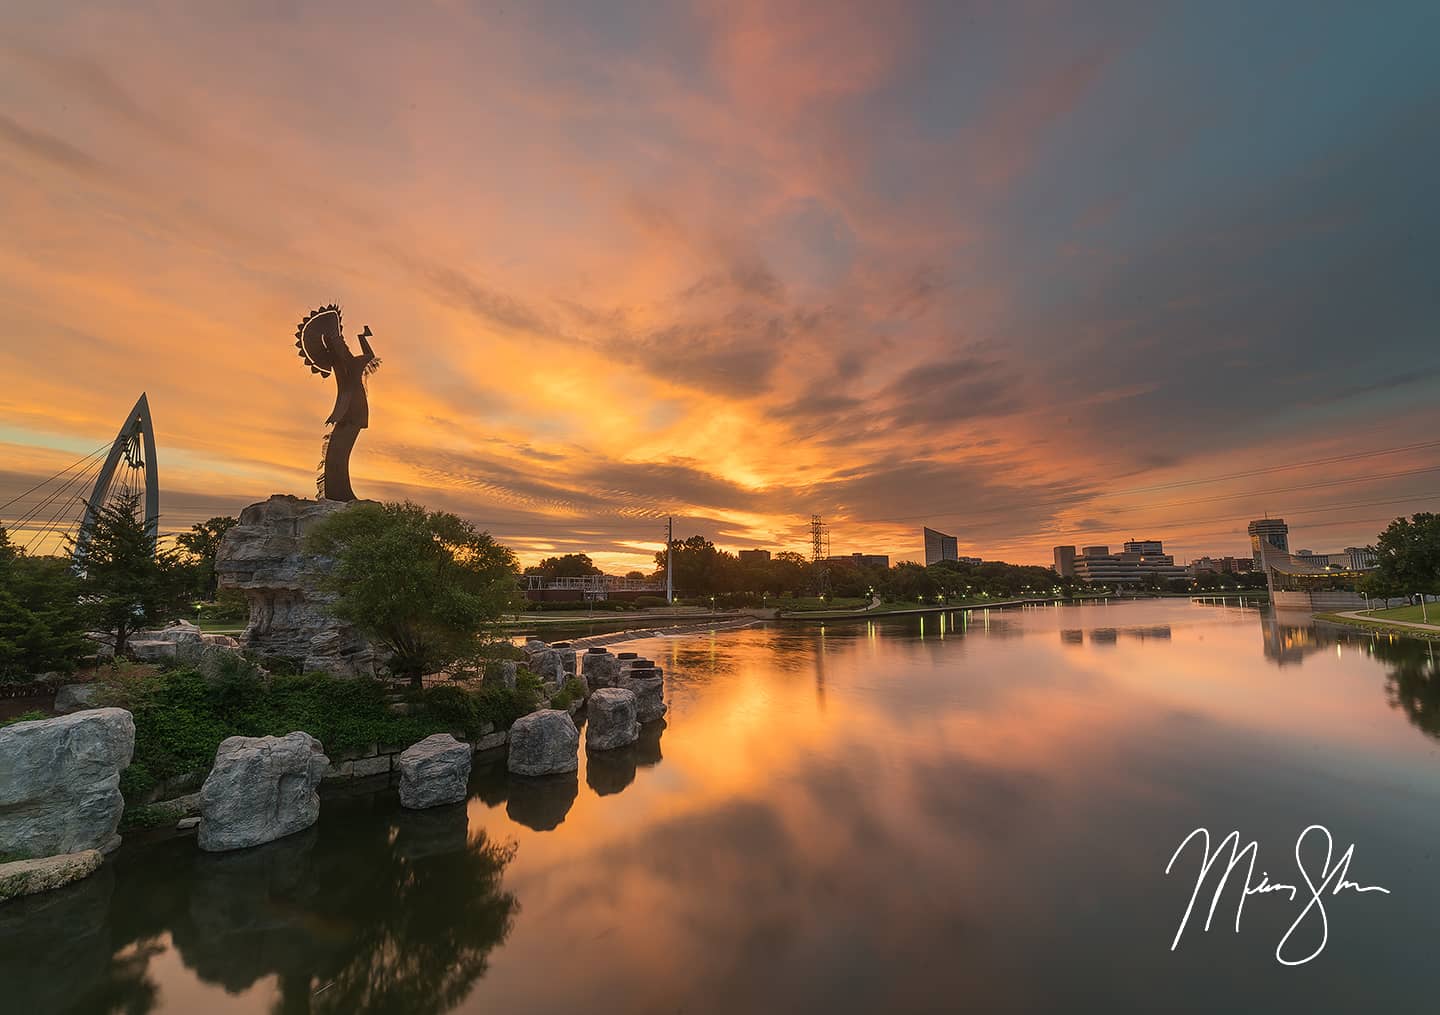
1034	277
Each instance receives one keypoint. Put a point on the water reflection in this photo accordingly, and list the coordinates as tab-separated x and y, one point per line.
1414	681
375	909
851	821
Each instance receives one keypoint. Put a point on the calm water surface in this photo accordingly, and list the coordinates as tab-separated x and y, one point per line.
870	817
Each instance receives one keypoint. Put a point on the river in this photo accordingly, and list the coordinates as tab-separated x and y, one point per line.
910	814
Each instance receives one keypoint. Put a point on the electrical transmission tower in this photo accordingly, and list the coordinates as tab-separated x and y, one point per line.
819	539
819	550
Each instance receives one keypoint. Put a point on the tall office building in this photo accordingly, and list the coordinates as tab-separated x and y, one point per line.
1065	561
939	546
1268	535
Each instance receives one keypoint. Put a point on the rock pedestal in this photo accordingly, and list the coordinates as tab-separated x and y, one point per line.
435	771
261	789
75	698
264	557
60	782
548	663
544	743
647	681
612	720
600	669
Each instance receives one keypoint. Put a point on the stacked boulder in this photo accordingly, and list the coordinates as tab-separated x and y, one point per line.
434	772
647	682
179	642
544	743
600	669
612	720
261	789
553	664
264	556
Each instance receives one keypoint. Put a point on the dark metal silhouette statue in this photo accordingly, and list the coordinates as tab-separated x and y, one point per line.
322	346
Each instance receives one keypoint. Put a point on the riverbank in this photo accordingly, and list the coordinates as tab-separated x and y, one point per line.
1358	619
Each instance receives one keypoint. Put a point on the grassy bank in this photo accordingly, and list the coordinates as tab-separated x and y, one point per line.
1429	614
1378	626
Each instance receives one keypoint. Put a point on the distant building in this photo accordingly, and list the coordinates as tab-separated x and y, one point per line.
972	561
1065	561
754	556
1129	567
1360	558
1268	535
939	546
880	560
1221	565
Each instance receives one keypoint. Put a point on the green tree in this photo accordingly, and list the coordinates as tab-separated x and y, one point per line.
128	582
1407	556
427	586
202	543
700	568
571	565
42	625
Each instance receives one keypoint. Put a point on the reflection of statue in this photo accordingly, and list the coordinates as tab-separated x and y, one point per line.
322	346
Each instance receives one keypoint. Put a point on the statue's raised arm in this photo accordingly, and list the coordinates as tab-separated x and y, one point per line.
321	344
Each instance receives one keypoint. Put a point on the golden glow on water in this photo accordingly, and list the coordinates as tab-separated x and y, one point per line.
822	793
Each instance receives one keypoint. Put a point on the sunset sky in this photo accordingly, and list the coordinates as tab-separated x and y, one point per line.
1027	273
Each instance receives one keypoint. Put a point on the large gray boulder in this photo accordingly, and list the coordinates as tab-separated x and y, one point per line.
435	771
648	685
600	669
545	662
612	719
264	557
544	743
261	789
60	782
75	698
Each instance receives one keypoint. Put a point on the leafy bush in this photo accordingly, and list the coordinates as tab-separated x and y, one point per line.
30	716
501	705
649	602
181	717
572	692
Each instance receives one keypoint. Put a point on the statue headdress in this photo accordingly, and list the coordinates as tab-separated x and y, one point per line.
311	345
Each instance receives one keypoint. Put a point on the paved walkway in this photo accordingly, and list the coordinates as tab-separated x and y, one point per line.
1361	615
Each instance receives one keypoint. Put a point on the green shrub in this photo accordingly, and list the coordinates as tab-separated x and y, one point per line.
572	692
501	705
30	716
136	781
649	602
146	816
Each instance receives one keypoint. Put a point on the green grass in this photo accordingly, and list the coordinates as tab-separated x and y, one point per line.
1408	614
808	604
1379	627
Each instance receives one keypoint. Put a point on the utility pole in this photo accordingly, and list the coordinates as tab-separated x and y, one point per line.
669	571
